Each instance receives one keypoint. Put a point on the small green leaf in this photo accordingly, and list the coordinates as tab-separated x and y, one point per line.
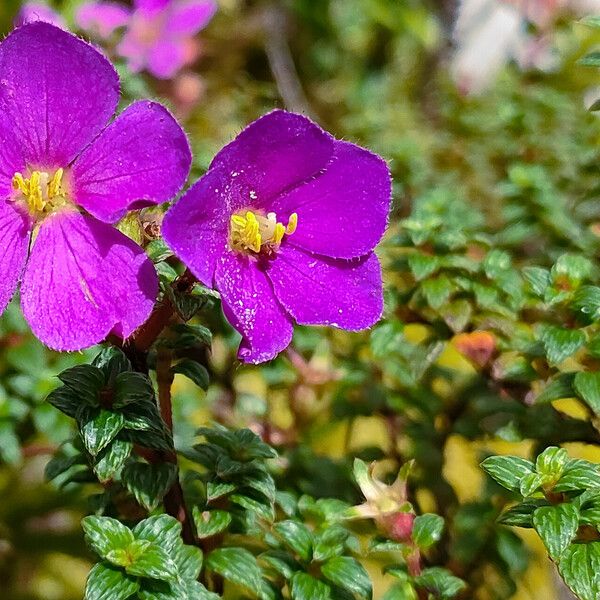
578	475
154	563
162	530
189	561
305	587
580	568
437	291
422	265
507	470
85	380
110	460
130	387
297	537
329	542
210	522
590	60
440	582
587	300
427	530
552	462
349	574
531	483
538	279
149	483
557	388
236	565
587	385
109	583
194	371
104	534
557	526
521	515
99	428
591	21
560	342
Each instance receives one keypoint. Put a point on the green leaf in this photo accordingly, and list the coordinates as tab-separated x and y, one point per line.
591	21
305	587
210	522
437	291
158	250
194	371
162	530
132	387
105	534
110	460
507	470
440	582
329	542
590	60
552	462
422	265
85	380
105	582
531	483
349	574
559	387
297	537
149	483
538	279
560	342
111	361
587	300
99	428
587	385
427	530
557	526
578	475
65	400
521	515
236	565
189	561
580	569
154	563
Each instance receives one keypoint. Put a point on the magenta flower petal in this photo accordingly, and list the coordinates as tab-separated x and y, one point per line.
166	57
102	18
343	212
251	307
278	151
195	228
83	279
317	290
143	157
188	17
56	90
151	5
15	228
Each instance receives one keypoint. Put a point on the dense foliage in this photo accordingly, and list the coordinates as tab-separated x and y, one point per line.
160	467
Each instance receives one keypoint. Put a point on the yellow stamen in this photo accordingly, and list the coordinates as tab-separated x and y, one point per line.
254	232
41	193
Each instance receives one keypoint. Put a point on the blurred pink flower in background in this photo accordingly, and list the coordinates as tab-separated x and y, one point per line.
489	33
102	18
159	34
38	11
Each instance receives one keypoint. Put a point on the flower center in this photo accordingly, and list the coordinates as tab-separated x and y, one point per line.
41	192
251	232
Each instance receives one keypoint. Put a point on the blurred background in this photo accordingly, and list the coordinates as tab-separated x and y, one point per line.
482	111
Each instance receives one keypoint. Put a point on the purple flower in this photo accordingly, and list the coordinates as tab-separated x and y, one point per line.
65	174
159	33
38	11
102	18
284	224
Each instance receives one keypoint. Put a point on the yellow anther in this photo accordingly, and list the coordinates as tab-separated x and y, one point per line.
255	232
41	193
292	224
